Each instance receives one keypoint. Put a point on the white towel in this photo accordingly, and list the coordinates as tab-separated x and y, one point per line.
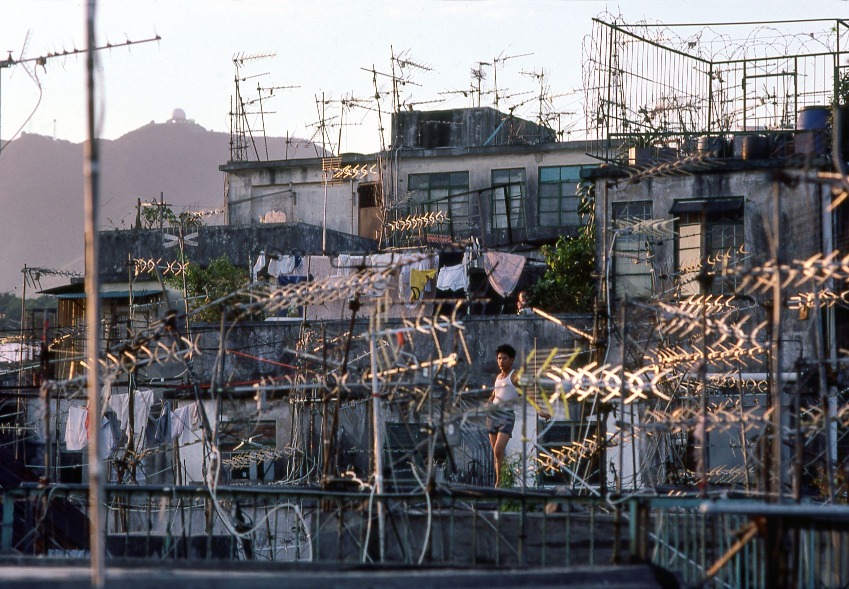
76	435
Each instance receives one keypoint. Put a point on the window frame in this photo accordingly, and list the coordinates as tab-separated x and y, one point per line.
498	217
424	185
566	216
631	248
710	217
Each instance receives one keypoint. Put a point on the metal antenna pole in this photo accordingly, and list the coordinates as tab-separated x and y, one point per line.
92	283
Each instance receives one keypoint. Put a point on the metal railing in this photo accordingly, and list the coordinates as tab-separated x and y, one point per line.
708	543
471	527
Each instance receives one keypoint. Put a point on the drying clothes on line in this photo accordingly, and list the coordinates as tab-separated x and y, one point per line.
404	292
418	282
159	429
381	262
258	266
452	278
281	265
346	263
76	432
142	403
504	271
120	404
185	423
107	440
410	263
286	279
195	417
181	421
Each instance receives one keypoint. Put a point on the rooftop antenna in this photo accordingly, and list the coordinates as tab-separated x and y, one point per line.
270	90
42	61
495	64
412	104
240	130
478	76
402	61
543	90
395	100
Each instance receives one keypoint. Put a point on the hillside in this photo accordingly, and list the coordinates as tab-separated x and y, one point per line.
41	188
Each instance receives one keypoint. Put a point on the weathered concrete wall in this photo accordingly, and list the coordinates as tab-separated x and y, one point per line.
297	188
482	335
801	236
241	244
800	232
464	127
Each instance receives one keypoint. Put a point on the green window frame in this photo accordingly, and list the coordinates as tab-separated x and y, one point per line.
557	202
508	189
632	252
442	191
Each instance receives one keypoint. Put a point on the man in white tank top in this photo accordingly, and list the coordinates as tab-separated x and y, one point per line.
501	417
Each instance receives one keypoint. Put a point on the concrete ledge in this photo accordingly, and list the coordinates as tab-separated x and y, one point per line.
152	575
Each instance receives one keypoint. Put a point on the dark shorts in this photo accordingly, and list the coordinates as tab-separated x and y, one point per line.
501	422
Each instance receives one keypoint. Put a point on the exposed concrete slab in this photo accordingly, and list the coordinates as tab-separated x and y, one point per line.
43	575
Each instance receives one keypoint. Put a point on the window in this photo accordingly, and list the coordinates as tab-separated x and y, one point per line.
508	190
709	230
445	191
632	267
558	205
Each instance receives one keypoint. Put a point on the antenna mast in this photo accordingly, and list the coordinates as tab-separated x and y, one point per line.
241	136
42	61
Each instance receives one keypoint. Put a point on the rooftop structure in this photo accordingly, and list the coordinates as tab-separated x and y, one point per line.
655	85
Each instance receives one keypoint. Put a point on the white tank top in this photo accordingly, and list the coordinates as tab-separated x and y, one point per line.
505	390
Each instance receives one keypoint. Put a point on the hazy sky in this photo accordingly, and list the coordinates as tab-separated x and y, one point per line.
319	46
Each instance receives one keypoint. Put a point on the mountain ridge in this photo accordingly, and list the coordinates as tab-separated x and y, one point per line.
42	183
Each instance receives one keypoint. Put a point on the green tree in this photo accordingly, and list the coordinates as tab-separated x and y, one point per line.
205	285
568	284
153	214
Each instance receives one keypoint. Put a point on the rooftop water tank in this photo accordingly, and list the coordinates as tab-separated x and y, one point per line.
812	128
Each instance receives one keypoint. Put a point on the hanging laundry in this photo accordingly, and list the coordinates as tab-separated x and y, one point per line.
346	263
258	266
159	430
181	421
286	279
452	278
107	439
195	417
409	263
418	282
120	404
504	271
141	411
76	433
404	292
281	265
381	262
